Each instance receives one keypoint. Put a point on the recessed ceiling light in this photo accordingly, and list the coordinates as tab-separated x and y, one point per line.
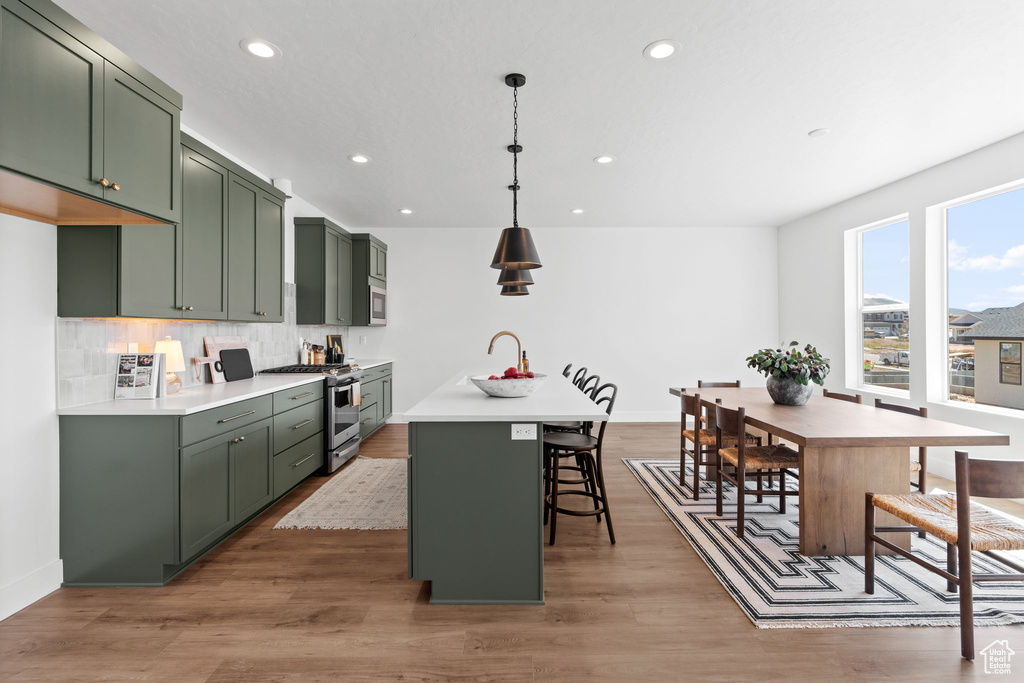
405	211
604	159
359	158
661	49
819	132
260	48
576	211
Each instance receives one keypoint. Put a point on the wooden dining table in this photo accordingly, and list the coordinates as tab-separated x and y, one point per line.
846	450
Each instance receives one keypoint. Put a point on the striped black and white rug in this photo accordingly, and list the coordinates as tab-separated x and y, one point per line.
779	588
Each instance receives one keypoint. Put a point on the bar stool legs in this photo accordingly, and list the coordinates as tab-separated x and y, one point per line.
592	473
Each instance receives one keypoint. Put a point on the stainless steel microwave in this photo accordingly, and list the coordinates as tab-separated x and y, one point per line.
378	306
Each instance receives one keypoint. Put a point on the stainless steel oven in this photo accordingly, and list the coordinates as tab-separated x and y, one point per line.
378	306
342	422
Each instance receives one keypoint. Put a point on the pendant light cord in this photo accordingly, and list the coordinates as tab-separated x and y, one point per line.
515	157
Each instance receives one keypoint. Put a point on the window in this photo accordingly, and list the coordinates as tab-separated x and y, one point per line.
985	298
883	315
1009	363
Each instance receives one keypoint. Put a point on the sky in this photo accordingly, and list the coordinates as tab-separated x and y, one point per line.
985	254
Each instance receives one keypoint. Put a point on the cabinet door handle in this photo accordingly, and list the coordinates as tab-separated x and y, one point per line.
302	424
241	438
296	464
235	417
263	313
115	187
387	381
182	308
190	309
104	182
296	398
341	319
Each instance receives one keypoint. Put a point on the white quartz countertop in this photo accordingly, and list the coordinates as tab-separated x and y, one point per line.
195	399
366	363
458	400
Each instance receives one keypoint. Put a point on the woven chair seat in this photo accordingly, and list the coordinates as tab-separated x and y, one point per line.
707	437
936	514
915	466
763	457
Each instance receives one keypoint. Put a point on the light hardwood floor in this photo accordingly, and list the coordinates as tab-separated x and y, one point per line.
336	605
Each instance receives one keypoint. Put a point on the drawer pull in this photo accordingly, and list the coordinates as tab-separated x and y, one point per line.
362	422
296	464
235	417
241	438
296	398
368	395
302	424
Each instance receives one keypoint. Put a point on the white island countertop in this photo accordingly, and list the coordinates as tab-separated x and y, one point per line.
196	398
458	400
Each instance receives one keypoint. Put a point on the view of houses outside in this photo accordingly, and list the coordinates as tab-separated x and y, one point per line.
986	299
885	308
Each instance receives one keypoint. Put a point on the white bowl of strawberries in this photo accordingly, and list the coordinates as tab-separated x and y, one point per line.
510	384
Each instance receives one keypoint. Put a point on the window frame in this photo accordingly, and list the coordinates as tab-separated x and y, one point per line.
938	215
1010	363
855	308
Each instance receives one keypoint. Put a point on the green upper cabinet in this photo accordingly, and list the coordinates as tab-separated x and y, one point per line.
270	258
85	121
141	150
369	269
204	223
51	103
323	273
255	253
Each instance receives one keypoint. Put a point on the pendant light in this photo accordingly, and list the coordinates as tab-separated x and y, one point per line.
515	277
514	290
515	250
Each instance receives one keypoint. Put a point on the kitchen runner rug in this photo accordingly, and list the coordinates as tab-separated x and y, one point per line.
370	493
779	588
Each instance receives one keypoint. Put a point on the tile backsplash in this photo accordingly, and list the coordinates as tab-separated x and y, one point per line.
87	347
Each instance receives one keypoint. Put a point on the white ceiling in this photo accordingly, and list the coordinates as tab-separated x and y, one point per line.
714	136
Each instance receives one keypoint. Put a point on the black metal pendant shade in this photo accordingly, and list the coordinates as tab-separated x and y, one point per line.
515	277
514	290
516	250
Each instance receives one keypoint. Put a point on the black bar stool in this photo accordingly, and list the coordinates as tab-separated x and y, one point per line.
588	451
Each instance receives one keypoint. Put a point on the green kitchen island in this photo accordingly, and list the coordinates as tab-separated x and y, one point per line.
476	489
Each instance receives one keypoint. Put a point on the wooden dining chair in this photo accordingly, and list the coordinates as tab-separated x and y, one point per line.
588	452
966	527
921	464
750	462
704	441
851	398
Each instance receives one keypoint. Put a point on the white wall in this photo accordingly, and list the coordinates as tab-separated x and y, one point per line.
29	513
811	281
646	308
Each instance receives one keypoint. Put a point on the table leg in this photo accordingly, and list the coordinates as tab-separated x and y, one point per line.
833	482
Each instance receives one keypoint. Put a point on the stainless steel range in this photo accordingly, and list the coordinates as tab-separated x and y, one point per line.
341	409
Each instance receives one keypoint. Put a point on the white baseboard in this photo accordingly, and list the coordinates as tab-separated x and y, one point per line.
26	590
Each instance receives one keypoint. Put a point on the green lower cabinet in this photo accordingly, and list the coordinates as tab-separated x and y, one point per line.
252	455
297	425
367	420
207	511
296	463
385	399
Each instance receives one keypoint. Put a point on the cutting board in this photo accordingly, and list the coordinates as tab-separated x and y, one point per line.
214	345
236	364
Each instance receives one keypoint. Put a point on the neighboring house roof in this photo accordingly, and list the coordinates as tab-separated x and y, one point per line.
1000	323
965	320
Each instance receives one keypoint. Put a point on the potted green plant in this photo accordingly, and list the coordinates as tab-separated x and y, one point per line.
790	372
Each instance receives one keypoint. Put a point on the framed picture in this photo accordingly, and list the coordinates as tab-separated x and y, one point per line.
334	343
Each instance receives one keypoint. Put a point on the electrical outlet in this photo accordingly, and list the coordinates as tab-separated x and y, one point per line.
524	432
362	339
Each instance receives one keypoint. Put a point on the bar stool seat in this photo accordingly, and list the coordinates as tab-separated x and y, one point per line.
775	456
565	441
